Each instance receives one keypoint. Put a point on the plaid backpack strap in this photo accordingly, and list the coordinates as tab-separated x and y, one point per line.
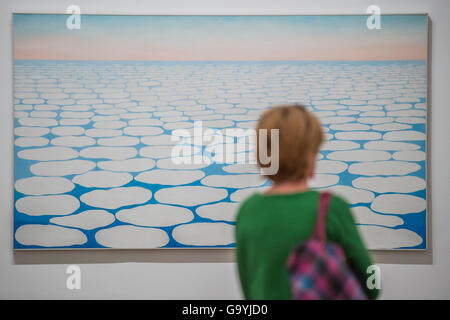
320	232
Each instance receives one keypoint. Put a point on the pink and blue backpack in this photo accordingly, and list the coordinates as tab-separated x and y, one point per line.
318	270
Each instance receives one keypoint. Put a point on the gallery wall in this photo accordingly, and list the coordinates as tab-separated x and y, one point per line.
212	274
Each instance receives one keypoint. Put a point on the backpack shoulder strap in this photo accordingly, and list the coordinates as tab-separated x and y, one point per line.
320	232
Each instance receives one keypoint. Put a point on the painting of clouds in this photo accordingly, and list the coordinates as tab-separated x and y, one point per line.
96	108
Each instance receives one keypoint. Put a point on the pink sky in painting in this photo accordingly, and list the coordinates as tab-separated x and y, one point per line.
234	40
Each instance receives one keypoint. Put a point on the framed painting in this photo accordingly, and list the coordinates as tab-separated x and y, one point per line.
110	111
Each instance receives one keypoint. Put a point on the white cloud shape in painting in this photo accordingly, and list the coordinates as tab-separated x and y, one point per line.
155	215
420	105
73	122
204	234
335	120
43	114
102	179
387	168
190	195
142	131
169	177
87	220
177	125
378	237
404	135
410	155
31	131
31	142
339	145
164	151
398	204
37	186
233	180
411	120
246	124
61	168
406	99
405	184
129	165
109	124
407	113
122	141
353	195
364	215
241	168
329	166
49	236
76	114
72	141
390	127
38	122
350	126
162	139
375	120
359	155
105	118
137	115
101	133
132	237
48	154
112	153
145	122
329	107
219	211
323	180
47	205
76	108
397	106
116	197
67	131
358	135
172	163
390	145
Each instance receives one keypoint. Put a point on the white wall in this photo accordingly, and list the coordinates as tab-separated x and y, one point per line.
211	274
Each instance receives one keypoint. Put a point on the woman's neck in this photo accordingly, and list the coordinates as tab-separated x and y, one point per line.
288	187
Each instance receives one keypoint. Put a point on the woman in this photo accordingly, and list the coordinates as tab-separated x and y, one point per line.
270	225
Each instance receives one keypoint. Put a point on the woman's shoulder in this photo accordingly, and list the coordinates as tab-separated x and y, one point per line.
251	200
257	201
339	209
253	205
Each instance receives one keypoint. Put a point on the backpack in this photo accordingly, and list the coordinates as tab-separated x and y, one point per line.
318	270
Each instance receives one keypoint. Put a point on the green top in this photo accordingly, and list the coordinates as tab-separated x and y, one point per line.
270	226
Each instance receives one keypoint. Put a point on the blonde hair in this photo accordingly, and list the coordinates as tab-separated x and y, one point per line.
300	136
